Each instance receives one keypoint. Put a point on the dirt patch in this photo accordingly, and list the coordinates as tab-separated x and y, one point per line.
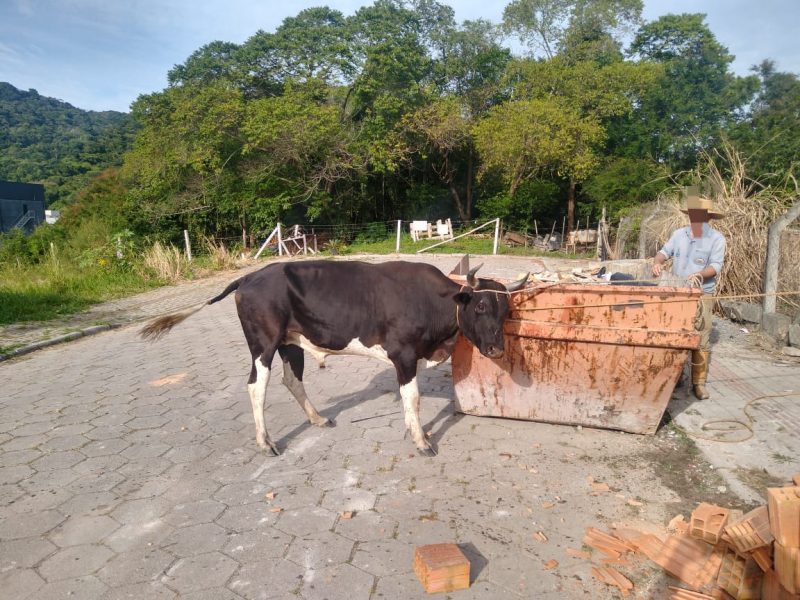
759	480
681	466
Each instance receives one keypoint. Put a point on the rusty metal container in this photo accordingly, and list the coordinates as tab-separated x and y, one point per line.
580	354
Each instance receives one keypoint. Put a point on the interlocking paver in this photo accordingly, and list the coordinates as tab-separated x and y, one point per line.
305	521
15	526
255	515
200	572
337	582
196	539
277	578
138	565
25	553
193	513
367	526
384	557
82	530
20	583
74	561
88	588
14	474
320	550
264	543
143	591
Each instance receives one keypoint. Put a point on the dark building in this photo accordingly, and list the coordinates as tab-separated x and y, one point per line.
21	205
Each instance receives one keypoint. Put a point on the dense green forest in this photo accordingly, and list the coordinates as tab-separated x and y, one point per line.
400	112
47	141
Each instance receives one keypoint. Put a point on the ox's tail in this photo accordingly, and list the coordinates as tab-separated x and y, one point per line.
162	325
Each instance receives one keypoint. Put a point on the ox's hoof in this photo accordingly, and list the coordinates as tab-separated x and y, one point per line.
269	447
427	451
324	423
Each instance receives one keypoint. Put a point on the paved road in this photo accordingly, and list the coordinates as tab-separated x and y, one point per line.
129	470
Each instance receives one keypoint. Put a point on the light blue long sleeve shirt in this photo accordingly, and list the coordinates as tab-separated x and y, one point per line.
691	254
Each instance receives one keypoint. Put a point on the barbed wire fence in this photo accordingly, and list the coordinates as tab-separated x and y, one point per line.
334	238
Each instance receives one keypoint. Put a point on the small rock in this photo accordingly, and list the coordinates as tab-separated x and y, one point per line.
791	351
722	489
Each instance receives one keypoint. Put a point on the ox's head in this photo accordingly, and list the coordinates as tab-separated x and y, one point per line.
481	310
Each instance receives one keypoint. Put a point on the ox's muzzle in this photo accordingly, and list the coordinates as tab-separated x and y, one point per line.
493	351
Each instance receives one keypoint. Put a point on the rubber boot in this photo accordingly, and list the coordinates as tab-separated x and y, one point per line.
700	372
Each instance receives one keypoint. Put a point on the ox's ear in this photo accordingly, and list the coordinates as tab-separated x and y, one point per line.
464	296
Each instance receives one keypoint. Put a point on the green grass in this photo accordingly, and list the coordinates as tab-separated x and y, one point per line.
43	292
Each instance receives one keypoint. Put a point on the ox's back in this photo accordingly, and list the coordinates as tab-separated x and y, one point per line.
334	303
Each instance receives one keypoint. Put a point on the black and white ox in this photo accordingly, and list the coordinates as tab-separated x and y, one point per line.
406	314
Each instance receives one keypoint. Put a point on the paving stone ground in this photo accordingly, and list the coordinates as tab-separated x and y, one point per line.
130	470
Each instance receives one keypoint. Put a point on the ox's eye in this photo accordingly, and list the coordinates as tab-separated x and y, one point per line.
480	308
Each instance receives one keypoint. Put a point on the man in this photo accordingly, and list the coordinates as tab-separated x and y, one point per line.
698	252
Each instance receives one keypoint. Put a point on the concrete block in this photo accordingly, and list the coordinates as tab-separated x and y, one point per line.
742	312
776	326
794	335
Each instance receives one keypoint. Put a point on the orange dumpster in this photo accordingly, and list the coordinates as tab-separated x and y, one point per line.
583	354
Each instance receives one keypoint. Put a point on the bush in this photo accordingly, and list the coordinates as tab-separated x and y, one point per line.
534	200
373	232
14	248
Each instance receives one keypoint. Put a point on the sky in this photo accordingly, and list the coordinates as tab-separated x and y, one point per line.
102	54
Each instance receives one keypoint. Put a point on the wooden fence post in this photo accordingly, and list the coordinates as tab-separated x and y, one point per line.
399	229
188	245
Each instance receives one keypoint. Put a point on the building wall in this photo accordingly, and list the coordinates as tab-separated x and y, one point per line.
18	198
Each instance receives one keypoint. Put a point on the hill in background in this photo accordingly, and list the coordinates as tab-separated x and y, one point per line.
44	140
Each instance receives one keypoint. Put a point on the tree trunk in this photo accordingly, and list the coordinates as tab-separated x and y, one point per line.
457	201
469	185
571	206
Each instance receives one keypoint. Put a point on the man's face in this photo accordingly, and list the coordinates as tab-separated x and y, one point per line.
698	215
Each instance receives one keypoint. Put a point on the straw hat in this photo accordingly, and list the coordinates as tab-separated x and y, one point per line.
694	201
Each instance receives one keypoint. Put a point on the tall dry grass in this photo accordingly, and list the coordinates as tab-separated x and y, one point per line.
219	257
167	263
749	210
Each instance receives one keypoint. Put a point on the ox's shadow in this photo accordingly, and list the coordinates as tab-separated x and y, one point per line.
382	383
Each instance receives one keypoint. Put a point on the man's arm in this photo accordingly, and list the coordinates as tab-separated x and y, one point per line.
663	254
658	263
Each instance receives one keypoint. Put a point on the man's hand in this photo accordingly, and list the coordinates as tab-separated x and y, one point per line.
695	279
657	269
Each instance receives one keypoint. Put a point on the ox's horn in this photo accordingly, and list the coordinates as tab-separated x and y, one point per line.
518	284
471	276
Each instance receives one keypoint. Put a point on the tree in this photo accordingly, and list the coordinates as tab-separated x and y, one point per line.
439	130
523	139
770	134
594	92
314	45
188	139
696	95
550	27
300	148
216	61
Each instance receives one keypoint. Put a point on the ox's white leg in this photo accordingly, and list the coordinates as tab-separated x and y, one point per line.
409	392
258	393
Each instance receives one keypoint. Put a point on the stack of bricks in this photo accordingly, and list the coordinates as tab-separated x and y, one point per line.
784	523
441	568
752	557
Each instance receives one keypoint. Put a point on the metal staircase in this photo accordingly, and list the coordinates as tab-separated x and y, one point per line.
24	220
